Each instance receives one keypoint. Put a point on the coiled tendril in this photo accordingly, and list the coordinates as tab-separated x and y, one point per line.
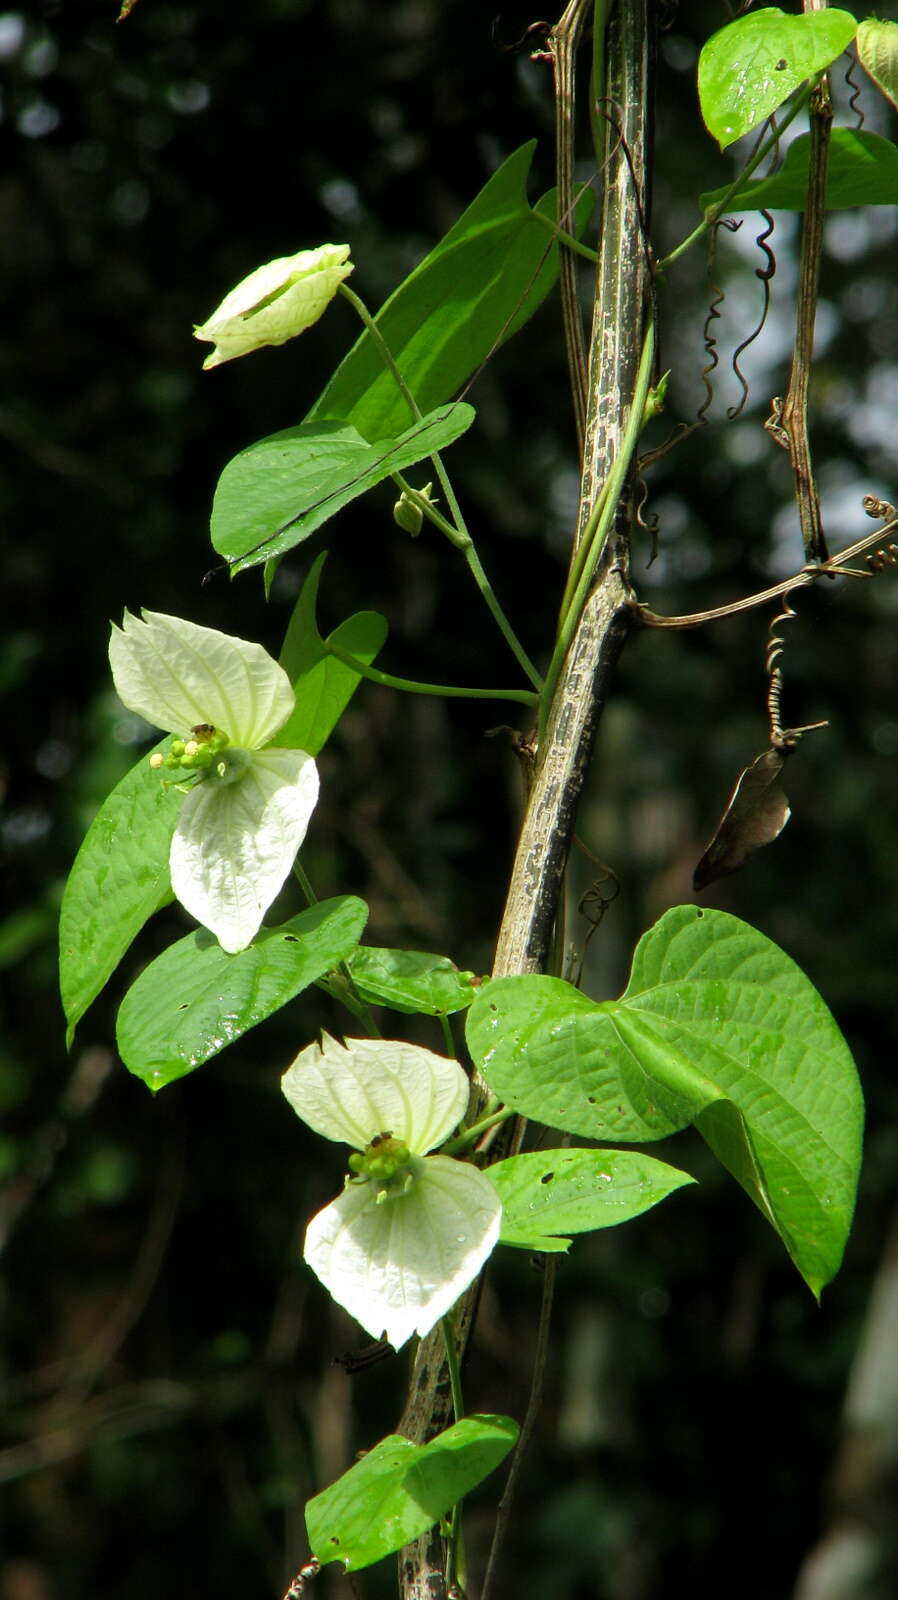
765	274
782	739
298	1587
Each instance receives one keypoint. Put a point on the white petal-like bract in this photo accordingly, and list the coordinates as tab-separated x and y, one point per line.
276	302
399	1266
177	674
234	844
352	1092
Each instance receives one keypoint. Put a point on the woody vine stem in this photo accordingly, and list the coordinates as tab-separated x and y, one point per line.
617	341
610	383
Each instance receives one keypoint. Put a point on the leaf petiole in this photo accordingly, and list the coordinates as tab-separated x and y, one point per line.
760	155
468	1136
459	535
527	697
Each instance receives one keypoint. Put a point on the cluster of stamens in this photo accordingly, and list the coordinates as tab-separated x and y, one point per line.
386	1161
198	754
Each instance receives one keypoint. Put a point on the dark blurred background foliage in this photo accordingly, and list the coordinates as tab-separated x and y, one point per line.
170	1397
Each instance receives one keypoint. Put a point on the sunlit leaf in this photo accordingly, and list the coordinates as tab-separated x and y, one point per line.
717	1027
548	1193
481	283
862	170
119	878
748	68
278	491
399	1490
194	999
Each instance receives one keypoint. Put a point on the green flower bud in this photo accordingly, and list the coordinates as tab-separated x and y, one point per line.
407	515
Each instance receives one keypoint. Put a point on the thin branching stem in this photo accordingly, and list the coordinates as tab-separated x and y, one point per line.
597	528
387	680
503	1515
341	984
760	155
454	1553
834	567
463	541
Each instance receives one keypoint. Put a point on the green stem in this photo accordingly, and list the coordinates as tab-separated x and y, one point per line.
460	536
304	882
475	567
760	155
596	530
469	1136
383	349
447	1036
564	237
453	1552
527	697
581	554
597	123
343	990
590	545
429	510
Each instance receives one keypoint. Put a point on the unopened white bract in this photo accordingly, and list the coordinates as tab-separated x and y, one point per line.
275	303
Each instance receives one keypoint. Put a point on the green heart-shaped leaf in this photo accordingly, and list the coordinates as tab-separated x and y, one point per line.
194	999
548	1193
399	1490
717	1027
752	65
119	878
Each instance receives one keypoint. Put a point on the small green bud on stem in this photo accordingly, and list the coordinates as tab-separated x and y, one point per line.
407	515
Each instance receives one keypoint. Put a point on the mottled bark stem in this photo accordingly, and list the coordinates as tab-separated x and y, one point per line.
622	304
563	42
788	423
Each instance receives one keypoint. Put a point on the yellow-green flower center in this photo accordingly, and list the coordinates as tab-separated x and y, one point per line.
388	1163
207	753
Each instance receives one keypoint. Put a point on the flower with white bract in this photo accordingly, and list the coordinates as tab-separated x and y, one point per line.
275	302
411	1230
246	815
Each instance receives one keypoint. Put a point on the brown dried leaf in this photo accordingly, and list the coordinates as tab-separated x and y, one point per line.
756	814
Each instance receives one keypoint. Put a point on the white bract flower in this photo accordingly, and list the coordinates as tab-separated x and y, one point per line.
410	1231
246	815
275	302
